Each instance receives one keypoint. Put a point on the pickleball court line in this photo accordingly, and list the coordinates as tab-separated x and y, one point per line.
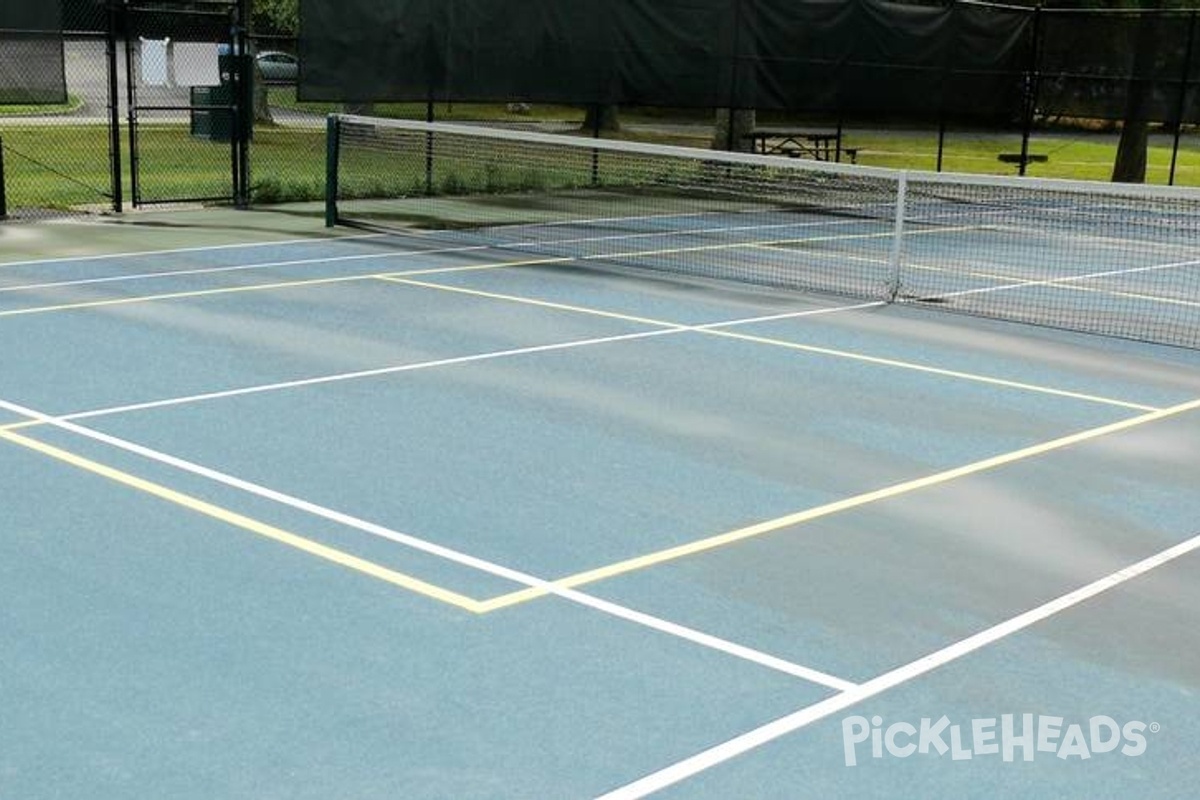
121	301
718	329
304	544
449	554
753	739
415	366
323	239
1018	282
804	516
463	248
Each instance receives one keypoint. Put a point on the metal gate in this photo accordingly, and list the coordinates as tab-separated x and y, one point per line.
188	101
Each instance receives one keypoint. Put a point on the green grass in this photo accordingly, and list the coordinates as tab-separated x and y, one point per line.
1077	156
67	165
54	109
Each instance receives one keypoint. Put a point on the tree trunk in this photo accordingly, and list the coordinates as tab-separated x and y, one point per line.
1130	163
732	129
601	118
262	108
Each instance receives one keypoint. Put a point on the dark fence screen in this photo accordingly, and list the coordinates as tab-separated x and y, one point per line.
854	58
31	41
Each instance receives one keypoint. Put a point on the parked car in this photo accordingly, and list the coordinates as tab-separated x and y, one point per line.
277	67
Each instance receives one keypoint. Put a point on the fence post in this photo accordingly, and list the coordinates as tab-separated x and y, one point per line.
1182	106
114	106
1031	87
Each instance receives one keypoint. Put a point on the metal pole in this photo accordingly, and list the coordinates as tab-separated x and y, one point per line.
596	111
332	134
1182	106
131	110
735	61
1031	78
941	141
114	107
429	148
3	193
243	110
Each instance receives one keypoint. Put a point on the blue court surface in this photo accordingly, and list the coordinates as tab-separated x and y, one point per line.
409	516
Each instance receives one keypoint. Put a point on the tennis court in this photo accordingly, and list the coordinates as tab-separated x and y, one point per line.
564	510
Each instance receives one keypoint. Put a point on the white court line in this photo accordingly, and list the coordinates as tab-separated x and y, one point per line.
758	737
465	248
525	579
300	262
1062	282
197	249
666	329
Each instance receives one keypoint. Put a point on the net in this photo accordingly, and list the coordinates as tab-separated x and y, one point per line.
1119	260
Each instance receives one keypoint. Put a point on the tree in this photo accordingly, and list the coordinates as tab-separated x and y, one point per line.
275	17
601	118
272	18
732	129
1130	163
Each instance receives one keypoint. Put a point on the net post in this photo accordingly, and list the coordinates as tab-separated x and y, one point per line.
895	264
332	148
429	149
3	193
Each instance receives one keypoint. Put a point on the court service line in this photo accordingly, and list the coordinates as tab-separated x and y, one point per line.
300	262
836	507
1065	282
740	745
449	554
717	329
197	249
87	304
141	276
237	520
1017	281
347	376
257	287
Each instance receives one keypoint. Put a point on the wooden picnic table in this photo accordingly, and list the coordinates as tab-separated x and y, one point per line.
796	143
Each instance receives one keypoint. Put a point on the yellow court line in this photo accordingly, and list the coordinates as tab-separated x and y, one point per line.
789	520
716	330
246	523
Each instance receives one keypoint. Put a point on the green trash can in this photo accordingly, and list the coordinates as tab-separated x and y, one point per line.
214	124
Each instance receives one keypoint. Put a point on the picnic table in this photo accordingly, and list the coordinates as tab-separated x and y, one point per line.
820	145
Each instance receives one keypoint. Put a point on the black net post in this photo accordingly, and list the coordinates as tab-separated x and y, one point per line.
3	194
429	148
332	147
1181	107
596	125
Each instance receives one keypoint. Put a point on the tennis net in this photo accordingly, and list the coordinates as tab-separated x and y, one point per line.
1119	260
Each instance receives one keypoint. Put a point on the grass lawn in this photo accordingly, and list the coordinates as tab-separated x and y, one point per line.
73	104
